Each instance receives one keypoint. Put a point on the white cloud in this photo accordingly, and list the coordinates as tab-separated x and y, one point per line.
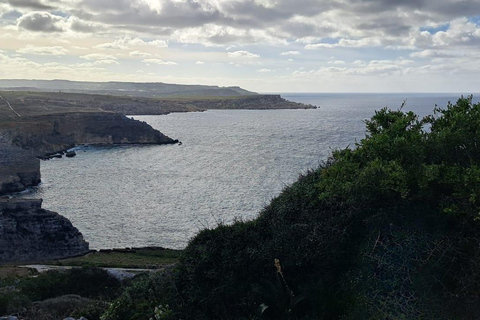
243	54
159	61
139	54
98	56
127	42
349	43
50	51
106	61
199	62
264	70
158	43
290	53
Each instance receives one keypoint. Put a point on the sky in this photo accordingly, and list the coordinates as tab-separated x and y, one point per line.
260	45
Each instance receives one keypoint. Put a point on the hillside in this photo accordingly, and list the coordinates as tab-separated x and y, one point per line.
146	89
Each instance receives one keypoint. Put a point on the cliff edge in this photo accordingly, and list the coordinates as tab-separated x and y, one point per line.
30	233
55	132
19	169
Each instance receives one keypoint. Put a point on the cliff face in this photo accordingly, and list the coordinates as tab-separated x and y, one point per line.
19	169
55	132
30	233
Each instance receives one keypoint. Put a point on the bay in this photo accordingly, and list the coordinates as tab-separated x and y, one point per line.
230	165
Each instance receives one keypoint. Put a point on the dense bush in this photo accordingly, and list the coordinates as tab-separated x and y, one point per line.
143	296
58	294
86	282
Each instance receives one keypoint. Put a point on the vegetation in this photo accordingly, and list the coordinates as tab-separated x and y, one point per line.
143	258
387	230
58	294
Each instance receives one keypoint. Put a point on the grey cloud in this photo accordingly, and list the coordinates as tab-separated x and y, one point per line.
85	27
301	29
386	26
106	5
457	8
40	21
127	13
31	4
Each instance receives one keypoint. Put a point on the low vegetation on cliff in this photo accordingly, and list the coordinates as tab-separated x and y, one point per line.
386	230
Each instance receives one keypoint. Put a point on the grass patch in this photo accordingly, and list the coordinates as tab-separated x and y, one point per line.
145	258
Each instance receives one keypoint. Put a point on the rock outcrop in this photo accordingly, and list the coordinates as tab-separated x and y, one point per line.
19	169
30	233
56	132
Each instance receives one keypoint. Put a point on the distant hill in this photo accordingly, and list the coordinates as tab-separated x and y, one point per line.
138	89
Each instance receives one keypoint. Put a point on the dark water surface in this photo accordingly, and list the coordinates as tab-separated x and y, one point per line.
230	165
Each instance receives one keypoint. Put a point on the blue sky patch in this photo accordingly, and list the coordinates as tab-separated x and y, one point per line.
431	30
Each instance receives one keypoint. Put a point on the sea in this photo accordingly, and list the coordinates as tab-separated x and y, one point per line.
230	165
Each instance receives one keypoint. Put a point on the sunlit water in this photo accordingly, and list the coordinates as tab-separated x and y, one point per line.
230	165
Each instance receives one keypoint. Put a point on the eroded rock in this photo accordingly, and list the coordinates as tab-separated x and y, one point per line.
30	233
19	169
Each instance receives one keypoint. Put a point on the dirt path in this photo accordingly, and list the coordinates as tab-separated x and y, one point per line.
119	273
10	106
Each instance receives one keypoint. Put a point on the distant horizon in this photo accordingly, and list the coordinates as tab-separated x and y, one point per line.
259	92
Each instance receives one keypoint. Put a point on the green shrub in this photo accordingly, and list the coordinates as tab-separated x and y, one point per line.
86	282
142	296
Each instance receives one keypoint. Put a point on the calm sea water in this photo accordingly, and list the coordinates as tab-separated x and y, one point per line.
230	165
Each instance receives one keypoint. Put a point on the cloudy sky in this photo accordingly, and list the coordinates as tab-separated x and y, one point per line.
261	45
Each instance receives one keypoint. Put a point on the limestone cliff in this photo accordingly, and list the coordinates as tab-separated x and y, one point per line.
30	233
19	169
55	132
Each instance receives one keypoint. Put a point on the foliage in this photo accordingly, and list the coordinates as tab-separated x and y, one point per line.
86	282
385	230
142	297
58	294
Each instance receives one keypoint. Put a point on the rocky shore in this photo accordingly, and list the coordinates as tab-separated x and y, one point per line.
30	233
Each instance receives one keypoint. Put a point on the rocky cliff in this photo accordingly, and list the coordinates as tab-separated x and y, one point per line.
19	169
30	233
54	132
